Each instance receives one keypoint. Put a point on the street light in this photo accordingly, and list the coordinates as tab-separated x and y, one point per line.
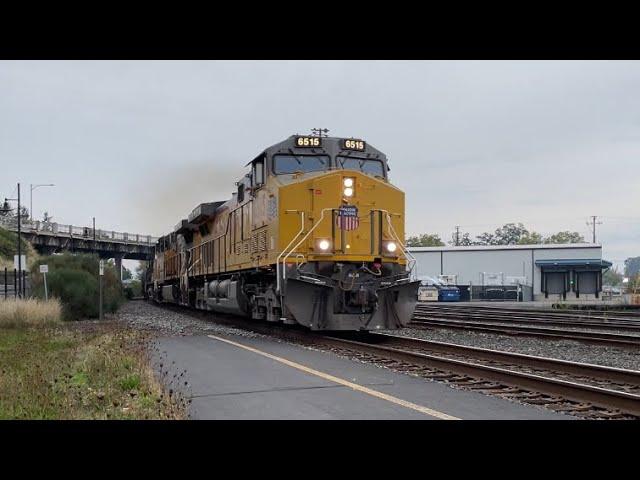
33	187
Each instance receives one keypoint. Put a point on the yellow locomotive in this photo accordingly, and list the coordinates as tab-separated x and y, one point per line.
312	236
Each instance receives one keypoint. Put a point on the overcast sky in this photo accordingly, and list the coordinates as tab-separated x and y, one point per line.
138	144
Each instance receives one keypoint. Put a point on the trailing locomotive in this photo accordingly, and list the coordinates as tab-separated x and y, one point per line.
312	236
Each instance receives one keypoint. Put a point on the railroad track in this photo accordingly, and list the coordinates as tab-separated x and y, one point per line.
515	320
590	391
508	321
582	390
590	336
580	317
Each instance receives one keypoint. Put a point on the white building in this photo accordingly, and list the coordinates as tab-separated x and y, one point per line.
547	272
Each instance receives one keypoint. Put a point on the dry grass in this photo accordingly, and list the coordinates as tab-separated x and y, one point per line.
31	312
80	371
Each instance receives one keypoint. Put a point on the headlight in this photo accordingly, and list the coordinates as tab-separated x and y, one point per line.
348	191
391	247
348	182
323	244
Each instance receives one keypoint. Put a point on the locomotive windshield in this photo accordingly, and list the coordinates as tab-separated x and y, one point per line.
283	164
372	167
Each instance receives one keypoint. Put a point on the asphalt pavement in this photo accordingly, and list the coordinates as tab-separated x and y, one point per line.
236	377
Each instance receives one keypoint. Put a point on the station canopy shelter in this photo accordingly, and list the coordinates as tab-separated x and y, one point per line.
572	275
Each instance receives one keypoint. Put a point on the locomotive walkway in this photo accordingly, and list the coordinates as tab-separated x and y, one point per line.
48	238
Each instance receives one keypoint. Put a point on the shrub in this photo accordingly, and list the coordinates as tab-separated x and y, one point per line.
133	289
74	280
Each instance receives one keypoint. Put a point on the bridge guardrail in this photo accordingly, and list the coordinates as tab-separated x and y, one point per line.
37	226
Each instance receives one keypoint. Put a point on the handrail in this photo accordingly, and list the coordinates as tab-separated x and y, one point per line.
284	272
301	212
400	244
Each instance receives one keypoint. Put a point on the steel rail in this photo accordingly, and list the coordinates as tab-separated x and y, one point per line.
632	316
574	368
524	320
579	392
593	337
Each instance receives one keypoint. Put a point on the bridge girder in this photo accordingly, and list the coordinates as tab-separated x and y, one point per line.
48	244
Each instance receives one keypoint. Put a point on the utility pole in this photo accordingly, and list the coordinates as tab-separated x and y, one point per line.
94	234
19	272
594	223
457	235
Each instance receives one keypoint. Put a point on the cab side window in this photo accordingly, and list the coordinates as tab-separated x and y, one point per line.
241	192
258	172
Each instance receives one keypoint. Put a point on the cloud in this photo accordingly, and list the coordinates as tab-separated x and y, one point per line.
139	144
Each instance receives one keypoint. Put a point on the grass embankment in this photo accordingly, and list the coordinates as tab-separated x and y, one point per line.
9	248
75	370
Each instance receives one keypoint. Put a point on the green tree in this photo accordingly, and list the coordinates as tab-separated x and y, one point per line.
530	238
425	240
126	273
565	237
463	241
508	234
5	209
632	266
486	238
612	277
140	270
133	289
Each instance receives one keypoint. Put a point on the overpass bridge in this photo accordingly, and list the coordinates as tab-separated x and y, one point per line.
48	238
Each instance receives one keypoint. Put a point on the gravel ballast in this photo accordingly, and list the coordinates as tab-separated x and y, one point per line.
563	349
170	322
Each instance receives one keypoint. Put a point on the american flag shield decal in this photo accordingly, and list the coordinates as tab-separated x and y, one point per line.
347	217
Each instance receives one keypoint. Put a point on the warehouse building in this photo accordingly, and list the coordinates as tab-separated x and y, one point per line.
527	272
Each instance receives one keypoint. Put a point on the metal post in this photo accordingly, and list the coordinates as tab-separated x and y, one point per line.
101	273
100	297
94	234
15	283
46	293
19	246
6	280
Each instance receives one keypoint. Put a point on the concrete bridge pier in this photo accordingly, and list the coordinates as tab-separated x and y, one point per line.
118	259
